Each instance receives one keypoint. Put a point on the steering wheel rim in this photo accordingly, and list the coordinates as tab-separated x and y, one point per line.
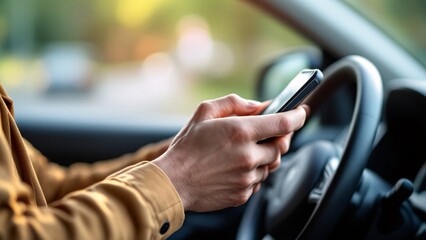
365	119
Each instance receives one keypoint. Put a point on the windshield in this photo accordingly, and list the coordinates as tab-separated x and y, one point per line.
404	21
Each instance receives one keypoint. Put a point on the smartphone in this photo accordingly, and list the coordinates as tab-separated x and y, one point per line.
297	90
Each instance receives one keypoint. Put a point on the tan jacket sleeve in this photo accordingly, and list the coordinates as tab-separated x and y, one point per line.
138	202
57	181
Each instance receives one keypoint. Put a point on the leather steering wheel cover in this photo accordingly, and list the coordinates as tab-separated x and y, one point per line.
365	119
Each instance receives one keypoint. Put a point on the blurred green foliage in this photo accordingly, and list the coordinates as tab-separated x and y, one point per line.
126	31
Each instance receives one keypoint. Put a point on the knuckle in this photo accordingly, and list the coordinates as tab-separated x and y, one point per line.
205	106
284	123
233	97
247	161
234	100
245	182
238	132
240	198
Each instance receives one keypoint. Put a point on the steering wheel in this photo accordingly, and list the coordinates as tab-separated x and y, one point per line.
306	198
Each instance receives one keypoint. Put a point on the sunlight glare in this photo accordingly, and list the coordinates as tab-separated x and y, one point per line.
133	13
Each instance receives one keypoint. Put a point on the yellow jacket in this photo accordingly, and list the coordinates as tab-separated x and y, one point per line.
107	200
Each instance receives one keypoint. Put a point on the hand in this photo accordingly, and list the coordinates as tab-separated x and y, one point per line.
216	162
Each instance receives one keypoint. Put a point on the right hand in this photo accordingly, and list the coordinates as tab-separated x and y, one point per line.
215	161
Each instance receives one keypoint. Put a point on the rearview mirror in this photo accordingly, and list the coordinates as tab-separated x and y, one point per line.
274	76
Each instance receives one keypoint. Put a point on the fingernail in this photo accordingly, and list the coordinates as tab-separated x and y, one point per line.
253	103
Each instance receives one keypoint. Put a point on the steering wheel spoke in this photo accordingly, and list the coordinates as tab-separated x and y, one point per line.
329	170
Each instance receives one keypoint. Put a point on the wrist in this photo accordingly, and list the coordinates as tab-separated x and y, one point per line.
168	166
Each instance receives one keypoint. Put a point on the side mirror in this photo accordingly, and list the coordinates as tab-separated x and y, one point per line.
280	71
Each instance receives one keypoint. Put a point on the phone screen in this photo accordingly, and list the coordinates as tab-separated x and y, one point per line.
297	90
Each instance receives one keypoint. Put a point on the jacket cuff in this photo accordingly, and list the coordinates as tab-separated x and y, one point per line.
158	191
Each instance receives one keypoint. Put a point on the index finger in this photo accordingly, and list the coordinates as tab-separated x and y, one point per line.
279	124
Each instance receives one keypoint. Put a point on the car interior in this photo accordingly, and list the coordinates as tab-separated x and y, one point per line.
356	170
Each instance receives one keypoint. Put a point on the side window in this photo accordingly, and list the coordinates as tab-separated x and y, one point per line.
132	59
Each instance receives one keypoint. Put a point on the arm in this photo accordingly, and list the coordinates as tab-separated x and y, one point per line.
57	181
213	163
134	204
